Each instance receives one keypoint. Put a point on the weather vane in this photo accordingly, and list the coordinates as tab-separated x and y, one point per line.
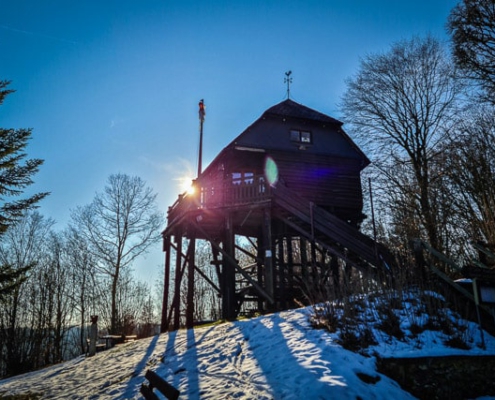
288	80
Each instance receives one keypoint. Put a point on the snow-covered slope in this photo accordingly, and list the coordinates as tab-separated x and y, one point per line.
278	356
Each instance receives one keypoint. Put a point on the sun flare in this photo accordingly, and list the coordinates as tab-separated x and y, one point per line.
186	185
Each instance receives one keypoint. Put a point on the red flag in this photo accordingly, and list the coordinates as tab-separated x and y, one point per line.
202	112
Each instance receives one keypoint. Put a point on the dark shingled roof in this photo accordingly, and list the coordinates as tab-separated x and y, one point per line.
289	108
270	132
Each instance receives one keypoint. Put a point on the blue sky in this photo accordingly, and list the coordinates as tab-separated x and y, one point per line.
113	86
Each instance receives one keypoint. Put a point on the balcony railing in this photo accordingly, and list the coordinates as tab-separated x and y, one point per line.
234	192
220	193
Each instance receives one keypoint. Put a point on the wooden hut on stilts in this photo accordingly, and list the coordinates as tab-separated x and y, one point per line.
290	180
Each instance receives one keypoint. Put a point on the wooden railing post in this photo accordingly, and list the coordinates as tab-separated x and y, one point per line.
268	255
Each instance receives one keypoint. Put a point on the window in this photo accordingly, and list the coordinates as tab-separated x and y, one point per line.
295	136
239	178
305	137
300	136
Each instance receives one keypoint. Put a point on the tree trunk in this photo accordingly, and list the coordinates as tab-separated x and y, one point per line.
113	318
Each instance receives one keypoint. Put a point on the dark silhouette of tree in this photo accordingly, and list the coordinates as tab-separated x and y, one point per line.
470	163
84	280
119	225
471	25
15	175
25	312
400	105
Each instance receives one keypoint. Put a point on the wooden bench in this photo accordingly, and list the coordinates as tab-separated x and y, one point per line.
99	346
155	382
112	340
130	338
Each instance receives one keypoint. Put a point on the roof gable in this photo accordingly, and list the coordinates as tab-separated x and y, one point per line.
289	108
272	132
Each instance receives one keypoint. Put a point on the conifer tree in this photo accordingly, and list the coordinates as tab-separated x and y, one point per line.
15	176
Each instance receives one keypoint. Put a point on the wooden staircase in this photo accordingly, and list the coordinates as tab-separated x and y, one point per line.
335	235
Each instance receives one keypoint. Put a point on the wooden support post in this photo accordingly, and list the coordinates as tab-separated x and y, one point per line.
178	279
282	288
166	285
229	259
228	273
334	266
314	262
268	255
190	282
205	277
290	269
324	255
260	270
304	259
216	261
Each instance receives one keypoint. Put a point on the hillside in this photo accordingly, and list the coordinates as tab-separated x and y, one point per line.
277	356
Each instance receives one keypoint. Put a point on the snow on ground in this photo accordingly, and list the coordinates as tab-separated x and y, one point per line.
278	356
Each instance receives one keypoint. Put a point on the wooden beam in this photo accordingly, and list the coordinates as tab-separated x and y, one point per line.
442	275
243	250
198	270
259	270
191	251
321	221
304	257
178	280
281	273
268	253
330	249
233	262
439	255
166	285
290	263
229	301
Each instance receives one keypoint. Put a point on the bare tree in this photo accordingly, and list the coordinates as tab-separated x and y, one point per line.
82	274
53	281
148	320
120	225
400	106
471	25
471	170
132	299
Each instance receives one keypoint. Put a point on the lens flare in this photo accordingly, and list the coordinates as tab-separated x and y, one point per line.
271	171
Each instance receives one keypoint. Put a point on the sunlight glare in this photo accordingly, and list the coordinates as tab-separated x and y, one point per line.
186	185
191	190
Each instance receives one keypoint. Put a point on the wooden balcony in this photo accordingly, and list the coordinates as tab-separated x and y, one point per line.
218	195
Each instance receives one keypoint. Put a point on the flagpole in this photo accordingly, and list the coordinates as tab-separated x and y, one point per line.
201	120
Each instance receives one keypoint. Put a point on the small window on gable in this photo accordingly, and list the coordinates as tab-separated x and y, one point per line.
305	137
300	136
295	136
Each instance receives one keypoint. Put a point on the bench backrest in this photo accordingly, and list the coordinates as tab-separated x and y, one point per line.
164	387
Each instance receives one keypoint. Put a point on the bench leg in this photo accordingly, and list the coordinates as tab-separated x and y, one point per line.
147	392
